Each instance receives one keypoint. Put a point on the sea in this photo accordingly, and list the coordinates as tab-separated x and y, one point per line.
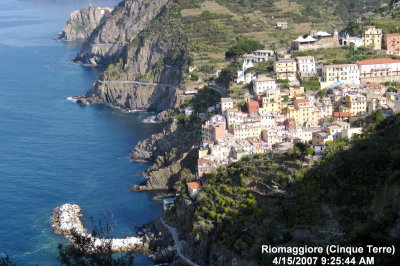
53	151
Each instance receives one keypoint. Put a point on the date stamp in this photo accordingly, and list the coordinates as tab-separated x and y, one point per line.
323	261
328	255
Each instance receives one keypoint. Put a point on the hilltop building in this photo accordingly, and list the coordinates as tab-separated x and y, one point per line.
392	42
373	37
347	40
317	40
248	61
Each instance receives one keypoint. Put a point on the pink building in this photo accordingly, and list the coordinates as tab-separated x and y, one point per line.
392	42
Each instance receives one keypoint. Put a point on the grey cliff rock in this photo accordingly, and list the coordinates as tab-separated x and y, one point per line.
83	22
132	96
171	151
120	28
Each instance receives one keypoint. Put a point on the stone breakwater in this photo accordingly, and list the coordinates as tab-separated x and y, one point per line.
66	220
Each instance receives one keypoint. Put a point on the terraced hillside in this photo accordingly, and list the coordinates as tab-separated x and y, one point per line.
215	25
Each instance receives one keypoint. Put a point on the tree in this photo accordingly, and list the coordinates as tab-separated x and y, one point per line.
79	252
5	261
243	47
378	116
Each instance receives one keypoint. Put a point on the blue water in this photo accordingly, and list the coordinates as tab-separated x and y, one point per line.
53	151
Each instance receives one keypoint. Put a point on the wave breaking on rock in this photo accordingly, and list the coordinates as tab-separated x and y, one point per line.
66	220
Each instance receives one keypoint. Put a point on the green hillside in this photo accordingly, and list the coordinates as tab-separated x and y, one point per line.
215	25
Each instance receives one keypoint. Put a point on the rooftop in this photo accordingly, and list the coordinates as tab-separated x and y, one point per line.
378	61
393	35
339	65
309	57
302	101
341	114
226	100
264	78
194	185
285	60
307	39
372	85
203	161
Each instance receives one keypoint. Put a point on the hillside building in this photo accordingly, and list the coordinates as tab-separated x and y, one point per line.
316	40
372	37
306	66
392	43
263	84
379	70
286	69
335	75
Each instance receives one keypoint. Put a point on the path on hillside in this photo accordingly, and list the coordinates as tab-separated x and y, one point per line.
178	244
137	83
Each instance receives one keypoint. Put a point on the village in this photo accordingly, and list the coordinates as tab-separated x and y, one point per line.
280	113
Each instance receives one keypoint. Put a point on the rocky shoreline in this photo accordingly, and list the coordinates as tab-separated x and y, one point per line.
144	72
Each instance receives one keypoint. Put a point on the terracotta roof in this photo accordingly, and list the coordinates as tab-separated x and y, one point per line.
372	85
341	114
208	141
252	103
203	161
302	100
378	61
393	35
194	185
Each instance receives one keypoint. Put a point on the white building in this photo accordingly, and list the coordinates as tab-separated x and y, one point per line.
194	188
226	103
263	84
340	74
262	55
248	61
379	70
306	65
347	40
242	75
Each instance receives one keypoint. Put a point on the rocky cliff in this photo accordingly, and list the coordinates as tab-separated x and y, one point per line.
82	23
171	151
146	69
119	29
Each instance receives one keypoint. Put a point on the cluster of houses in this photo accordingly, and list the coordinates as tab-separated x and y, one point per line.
276	117
330	76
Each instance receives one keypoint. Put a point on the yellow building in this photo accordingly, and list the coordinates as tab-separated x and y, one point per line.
246	130
304	113
357	104
373	38
286	69
271	102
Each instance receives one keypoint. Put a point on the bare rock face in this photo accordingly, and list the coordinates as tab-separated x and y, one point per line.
132	96
122	85
82	23
121	27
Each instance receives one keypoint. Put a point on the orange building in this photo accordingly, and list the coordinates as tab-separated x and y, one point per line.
253	107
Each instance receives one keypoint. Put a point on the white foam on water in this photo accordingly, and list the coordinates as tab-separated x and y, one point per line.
67	219
71	99
151	119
